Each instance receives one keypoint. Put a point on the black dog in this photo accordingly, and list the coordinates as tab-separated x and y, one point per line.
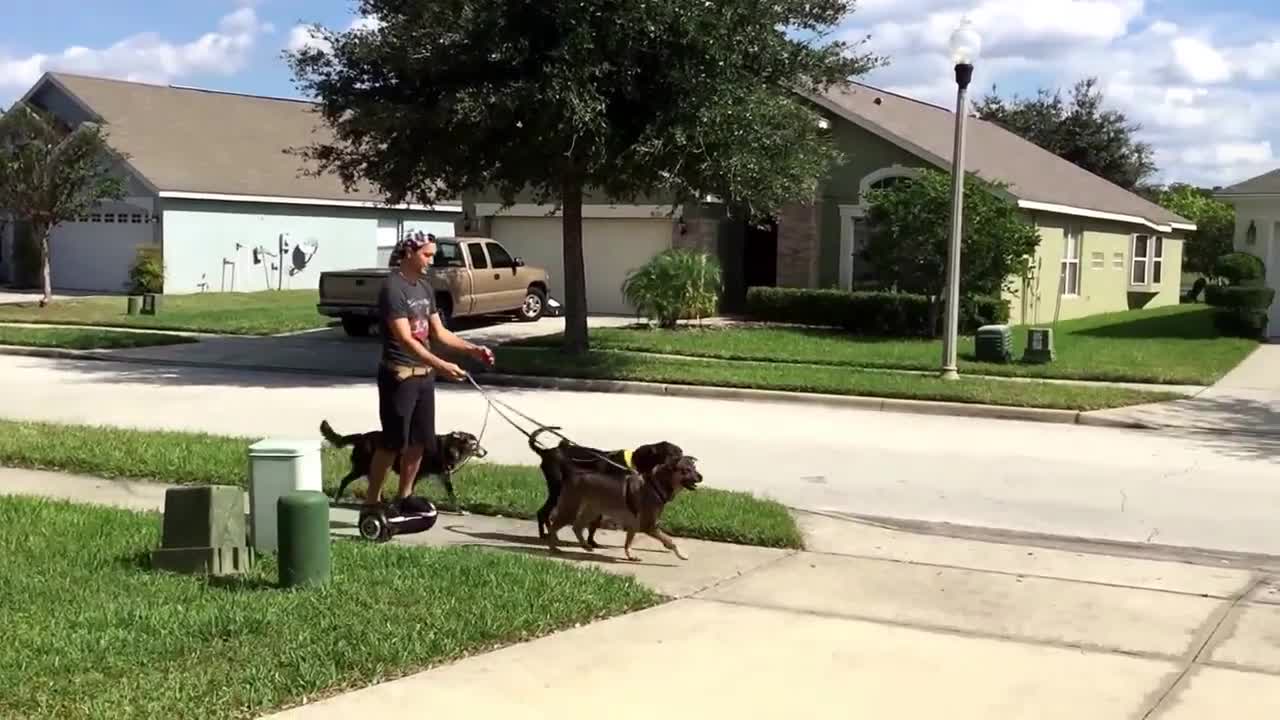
561	462
454	449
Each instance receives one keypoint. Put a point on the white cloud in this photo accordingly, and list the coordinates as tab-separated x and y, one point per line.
302	36
1202	88
147	57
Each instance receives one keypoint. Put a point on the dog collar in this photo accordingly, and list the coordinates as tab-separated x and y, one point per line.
626	459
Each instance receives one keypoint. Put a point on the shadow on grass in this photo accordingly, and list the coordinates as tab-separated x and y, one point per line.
1196	325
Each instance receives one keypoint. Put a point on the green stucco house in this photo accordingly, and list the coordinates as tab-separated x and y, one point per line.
1104	248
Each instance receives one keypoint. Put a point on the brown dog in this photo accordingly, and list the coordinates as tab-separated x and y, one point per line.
454	448
562	462
636	503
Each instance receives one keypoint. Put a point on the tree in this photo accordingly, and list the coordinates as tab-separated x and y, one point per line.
910	229
1215	224
564	98
1078	130
50	174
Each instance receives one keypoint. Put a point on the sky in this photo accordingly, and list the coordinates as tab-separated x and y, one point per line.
1202	78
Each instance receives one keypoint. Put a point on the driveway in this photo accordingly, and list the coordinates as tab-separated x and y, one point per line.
1246	400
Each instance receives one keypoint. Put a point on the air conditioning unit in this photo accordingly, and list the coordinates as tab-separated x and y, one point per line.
994	344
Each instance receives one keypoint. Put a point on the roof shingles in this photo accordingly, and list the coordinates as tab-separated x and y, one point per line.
991	152
191	140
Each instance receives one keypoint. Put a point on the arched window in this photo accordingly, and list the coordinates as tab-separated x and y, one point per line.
886	178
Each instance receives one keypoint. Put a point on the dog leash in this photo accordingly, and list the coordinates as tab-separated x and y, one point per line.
499	405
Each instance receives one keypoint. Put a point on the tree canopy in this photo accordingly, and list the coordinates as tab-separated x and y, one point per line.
910	229
1215	223
664	99
1078	129
50	174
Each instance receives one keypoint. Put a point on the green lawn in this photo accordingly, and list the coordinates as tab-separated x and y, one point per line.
488	488
90	631
259	313
622	365
84	338
1172	345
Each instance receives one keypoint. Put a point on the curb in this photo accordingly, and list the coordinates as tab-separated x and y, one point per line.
852	402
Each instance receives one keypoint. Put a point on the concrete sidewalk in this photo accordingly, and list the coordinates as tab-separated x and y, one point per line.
1246	400
878	622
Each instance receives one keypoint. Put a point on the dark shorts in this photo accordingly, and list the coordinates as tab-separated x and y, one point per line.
407	409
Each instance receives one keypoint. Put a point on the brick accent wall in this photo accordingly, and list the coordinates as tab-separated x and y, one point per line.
798	245
699	234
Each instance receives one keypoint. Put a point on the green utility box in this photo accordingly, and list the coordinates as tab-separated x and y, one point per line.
1039	346
994	344
303	524
204	531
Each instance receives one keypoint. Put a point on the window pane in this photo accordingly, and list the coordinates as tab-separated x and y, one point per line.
1073	279
1139	275
499	255
1158	252
478	260
448	255
1155	270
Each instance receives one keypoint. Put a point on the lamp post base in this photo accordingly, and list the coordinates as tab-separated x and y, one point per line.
949	374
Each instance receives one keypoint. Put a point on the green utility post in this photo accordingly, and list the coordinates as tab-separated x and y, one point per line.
303	525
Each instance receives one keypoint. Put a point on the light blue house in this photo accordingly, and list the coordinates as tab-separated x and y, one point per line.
209	182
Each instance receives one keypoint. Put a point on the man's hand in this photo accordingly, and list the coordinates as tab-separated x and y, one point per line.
483	354
450	371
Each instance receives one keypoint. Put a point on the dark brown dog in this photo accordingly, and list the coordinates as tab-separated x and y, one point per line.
567	459
636	503
454	448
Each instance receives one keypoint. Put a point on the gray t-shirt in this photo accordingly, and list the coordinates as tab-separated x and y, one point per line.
400	298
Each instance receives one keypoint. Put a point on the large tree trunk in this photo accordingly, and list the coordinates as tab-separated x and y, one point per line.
575	276
41	233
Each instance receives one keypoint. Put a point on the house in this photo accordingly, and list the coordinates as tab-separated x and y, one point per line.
1104	248
209	182
1257	204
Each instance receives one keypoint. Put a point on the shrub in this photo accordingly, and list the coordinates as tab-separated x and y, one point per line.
866	313
1240	268
147	273
676	284
1241	309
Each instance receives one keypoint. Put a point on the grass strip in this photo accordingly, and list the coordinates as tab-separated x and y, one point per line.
516	491
642	367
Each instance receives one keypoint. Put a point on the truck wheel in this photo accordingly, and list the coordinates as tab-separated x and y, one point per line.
535	303
356	326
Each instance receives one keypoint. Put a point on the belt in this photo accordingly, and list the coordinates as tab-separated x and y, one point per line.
404	372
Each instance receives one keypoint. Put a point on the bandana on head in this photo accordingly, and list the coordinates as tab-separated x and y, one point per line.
411	242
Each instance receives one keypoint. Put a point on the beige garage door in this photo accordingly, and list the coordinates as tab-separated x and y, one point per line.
611	247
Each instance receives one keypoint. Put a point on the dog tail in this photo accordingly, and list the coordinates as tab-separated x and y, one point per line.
333	437
533	439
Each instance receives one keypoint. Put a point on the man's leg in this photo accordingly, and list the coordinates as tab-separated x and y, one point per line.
421	434
393	434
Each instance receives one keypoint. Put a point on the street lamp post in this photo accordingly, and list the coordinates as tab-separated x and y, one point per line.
965	46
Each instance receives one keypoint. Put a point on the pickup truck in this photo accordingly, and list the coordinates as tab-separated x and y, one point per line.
471	276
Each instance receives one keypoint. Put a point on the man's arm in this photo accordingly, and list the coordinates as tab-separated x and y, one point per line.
453	342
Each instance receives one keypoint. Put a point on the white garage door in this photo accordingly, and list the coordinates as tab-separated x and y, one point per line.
612	248
96	255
